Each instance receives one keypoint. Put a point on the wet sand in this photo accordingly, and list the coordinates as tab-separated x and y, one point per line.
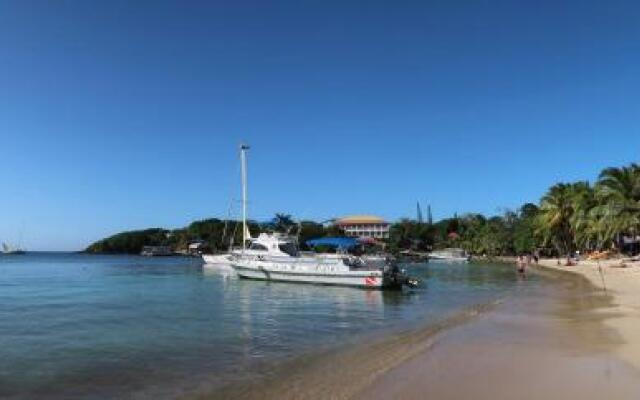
343	372
530	349
552	342
621	279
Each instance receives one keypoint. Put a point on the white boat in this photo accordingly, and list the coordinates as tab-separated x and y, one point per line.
156	251
275	257
450	255
8	249
217	259
224	259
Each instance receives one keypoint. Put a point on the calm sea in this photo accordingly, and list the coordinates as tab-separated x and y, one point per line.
87	326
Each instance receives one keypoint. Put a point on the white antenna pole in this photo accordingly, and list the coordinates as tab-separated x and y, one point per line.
243	162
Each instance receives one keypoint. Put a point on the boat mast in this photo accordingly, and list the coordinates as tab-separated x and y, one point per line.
243	162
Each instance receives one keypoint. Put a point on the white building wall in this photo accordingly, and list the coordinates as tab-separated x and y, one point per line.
377	231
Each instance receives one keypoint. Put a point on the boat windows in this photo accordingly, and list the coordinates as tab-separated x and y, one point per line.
258	247
288	248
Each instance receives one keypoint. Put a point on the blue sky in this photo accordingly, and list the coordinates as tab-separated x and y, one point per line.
121	115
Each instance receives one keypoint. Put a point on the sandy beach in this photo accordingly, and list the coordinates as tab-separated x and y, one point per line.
568	338
621	279
582	344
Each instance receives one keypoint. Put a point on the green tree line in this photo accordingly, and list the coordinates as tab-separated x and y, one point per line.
569	217
216	234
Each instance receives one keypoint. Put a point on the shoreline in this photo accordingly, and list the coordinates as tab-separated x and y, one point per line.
556	343
554	336
623	284
345	371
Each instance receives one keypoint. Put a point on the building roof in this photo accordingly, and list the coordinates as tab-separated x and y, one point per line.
360	219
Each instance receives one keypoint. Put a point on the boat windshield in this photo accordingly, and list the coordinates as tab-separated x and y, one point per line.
257	246
289	248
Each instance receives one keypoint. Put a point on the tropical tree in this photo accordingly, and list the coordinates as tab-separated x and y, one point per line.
282	222
472	229
309	230
556	213
618	196
584	222
408	233
524	237
130	242
488	236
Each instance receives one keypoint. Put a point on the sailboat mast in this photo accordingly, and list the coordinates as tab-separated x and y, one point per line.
243	162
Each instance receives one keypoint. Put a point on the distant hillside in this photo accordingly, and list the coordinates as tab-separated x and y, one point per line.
214	232
130	242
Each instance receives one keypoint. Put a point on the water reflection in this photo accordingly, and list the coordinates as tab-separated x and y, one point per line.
222	270
85	317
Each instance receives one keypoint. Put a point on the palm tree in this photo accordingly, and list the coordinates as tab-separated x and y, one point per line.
282	222
618	194
554	220
524	238
583	221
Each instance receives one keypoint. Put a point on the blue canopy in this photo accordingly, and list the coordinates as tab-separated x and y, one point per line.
339	242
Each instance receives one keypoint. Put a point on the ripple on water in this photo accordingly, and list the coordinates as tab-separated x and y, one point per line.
109	326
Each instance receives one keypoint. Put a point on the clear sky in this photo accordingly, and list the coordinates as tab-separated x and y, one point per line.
119	115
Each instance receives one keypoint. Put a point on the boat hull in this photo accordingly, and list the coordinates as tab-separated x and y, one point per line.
361	279
217	259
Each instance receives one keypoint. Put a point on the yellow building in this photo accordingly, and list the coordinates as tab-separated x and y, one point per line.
364	226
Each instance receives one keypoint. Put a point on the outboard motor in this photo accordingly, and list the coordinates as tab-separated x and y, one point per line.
412	282
397	277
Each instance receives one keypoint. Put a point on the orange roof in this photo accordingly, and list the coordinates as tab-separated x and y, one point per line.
360	219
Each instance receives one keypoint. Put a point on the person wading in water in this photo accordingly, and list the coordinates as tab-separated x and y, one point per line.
521	264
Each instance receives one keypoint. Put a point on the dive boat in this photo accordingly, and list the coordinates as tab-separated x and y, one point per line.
276	257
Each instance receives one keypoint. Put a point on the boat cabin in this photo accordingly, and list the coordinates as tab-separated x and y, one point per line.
274	244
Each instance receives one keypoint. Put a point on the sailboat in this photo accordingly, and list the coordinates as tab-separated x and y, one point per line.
223	260
276	257
8	249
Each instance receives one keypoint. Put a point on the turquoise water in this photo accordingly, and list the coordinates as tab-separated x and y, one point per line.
86	326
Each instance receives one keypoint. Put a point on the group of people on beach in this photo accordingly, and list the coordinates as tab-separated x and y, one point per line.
523	261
